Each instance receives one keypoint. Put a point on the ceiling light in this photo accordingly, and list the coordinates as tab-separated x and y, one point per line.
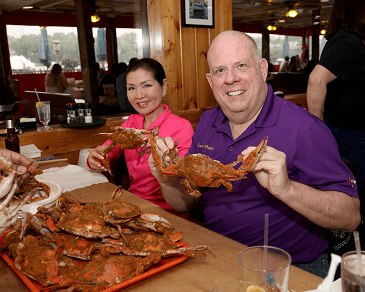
281	20
95	18
323	31
291	13
271	27
27	7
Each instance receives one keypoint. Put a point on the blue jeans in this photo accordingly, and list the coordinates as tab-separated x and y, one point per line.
351	145
318	267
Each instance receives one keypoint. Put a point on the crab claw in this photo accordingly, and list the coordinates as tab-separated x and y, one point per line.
156	218
6	184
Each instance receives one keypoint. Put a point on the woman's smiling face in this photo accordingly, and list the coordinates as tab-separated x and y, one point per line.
144	92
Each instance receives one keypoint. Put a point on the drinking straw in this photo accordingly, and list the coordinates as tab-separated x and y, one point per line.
358	251
269	276
266	230
35	89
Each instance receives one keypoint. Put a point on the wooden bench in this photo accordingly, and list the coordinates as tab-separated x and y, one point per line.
299	99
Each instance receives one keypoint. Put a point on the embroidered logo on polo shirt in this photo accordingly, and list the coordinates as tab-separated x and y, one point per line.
352	181
205	146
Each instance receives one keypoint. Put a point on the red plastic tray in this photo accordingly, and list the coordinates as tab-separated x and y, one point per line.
165	264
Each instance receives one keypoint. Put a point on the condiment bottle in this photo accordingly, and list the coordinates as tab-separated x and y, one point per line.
71	114
11	139
88	116
80	113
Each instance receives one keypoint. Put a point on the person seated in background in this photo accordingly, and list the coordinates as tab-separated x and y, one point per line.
115	71
100	72
121	86
309	67
146	87
293	65
284	66
55	81
300	180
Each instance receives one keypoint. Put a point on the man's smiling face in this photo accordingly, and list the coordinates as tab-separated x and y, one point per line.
237	76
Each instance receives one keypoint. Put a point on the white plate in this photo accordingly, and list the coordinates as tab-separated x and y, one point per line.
55	192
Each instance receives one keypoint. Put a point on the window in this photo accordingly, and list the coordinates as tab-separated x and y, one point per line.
257	37
33	49
282	46
129	42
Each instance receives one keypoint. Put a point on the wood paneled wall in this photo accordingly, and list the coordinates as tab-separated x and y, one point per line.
183	53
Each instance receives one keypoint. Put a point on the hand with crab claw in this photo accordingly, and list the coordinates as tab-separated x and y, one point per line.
14	168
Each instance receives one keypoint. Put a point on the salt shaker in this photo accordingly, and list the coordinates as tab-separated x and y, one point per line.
80	113
71	114
88	116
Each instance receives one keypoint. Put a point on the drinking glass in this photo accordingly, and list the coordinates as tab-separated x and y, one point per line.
265	266
351	280
44	114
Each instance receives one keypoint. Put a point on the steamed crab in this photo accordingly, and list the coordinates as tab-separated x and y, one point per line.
96	220
49	267
9	182
143	243
202	171
125	138
129	216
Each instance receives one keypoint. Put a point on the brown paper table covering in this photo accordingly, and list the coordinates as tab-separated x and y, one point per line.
195	274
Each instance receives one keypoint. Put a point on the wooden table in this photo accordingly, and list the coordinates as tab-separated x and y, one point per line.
66	142
193	275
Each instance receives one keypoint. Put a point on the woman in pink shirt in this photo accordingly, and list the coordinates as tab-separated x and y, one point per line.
146	88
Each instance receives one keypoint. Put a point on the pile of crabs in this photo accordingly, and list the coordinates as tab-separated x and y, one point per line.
75	246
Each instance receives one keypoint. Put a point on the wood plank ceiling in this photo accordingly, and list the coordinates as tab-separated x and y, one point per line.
259	12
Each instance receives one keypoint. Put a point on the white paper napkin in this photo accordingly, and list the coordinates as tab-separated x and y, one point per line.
72	177
30	151
336	287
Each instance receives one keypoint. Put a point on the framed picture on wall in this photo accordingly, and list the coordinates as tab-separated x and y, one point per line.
198	13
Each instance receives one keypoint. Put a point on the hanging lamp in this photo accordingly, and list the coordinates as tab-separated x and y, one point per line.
291	12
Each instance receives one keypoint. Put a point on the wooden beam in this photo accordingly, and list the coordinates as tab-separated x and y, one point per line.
315	34
265	44
113	40
86	47
4	54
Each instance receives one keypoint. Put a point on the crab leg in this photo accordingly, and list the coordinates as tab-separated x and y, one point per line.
156	218
251	160
8	197
6	184
8	219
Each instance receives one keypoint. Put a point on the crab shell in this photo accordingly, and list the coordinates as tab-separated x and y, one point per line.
120	210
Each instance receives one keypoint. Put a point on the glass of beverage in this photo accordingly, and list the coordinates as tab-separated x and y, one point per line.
266	267
351	280
44	113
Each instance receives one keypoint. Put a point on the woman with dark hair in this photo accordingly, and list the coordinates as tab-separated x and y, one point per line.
293	64
146	88
336	91
55	81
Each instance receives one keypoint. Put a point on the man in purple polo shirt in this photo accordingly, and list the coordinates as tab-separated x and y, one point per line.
300	180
